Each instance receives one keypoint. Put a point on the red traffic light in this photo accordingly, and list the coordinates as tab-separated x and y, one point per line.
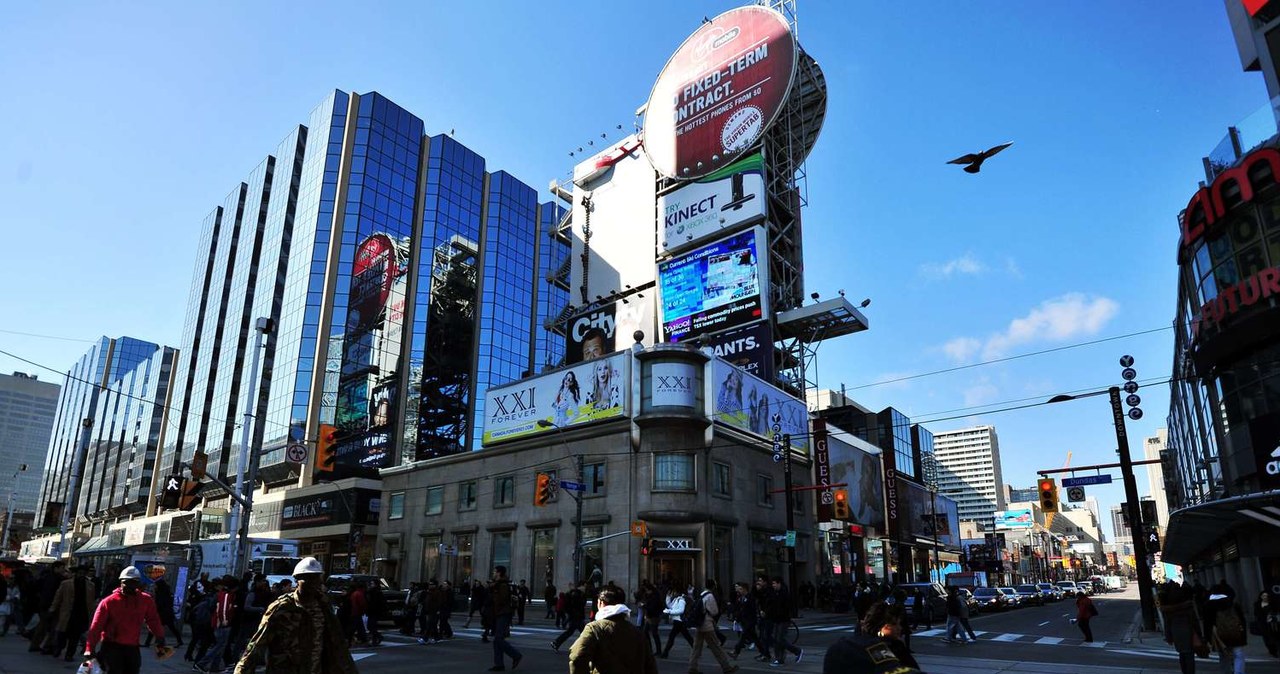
1046	485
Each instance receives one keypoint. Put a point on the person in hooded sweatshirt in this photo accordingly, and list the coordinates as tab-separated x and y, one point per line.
611	644
117	626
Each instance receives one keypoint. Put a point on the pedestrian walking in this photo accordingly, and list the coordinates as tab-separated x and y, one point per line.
764	626
1228	635
117	626
255	606
575	603
964	618
44	636
11	608
745	619
375	611
676	609
610	644
163	596
1085	611
653	603
702	619
357	608
778	611
1266	622
1182	626
523	594
549	595
447	602
298	633
73	607
954	627
201	623
214	659
502	605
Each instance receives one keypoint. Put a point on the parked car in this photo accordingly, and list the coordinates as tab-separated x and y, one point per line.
1030	594
935	608
991	598
1068	588
1015	599
1051	592
337	584
967	595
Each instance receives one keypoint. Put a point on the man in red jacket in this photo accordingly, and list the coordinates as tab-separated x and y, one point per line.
117	625
223	612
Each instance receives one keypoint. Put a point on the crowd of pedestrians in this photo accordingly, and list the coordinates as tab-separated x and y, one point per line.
1200	621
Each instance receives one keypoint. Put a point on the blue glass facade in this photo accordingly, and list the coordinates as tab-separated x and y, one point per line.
403	280
122	385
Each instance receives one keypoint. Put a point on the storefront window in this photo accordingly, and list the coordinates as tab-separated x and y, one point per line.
465	543
430	558
722	555
501	551
542	564
593	556
673	472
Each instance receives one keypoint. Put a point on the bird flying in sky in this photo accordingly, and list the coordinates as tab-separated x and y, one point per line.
973	161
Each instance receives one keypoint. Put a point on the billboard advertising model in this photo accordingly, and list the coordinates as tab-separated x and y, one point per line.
718	286
858	466
749	404
608	328
591	391
719	92
721	201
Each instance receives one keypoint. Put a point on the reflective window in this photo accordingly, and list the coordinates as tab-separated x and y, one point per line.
764	487
721	485
395	506
673	472
435	500
504	491
467	495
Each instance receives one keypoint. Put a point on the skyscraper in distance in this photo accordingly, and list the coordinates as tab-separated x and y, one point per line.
969	471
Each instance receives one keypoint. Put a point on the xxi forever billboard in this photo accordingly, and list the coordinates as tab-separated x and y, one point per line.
592	391
716	287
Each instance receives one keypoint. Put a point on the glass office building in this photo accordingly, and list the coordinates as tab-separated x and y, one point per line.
401	279
28	408
122	386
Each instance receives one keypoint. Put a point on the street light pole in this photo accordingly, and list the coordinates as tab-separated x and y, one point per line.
1145	588
243	511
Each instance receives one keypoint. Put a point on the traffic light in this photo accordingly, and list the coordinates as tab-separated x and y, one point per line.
190	494
841	509
1048	495
544	491
326	450
1149	516
172	494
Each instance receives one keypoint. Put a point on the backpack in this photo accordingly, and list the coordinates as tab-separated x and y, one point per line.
202	614
1228	628
694	611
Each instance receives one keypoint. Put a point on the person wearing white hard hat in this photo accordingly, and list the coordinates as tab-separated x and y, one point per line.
117	626
299	634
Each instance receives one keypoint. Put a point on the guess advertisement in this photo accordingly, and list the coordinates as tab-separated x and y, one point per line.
720	91
721	201
719	286
592	391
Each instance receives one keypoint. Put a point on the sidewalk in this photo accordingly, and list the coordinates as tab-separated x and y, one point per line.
1255	651
940	665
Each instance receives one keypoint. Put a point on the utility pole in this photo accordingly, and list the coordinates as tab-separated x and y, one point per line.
791	520
577	529
76	467
1145	588
244	510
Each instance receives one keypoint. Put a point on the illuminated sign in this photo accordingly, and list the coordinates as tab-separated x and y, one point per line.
719	92
722	201
1208	206
715	287
1014	519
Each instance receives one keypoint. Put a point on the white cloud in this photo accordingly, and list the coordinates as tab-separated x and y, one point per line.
1060	319
1012	269
961	349
965	264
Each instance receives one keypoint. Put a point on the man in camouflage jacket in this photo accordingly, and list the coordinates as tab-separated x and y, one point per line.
299	633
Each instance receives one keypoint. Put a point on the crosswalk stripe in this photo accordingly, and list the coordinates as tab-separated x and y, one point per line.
832	628
1007	637
1095	644
1049	641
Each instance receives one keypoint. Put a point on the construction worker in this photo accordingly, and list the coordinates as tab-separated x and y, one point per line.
117	626
299	633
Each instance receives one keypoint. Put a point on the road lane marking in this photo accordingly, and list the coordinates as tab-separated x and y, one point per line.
1043	623
1049	641
1007	637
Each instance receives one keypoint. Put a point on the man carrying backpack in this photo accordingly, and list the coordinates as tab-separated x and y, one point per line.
701	614
575	607
1228	635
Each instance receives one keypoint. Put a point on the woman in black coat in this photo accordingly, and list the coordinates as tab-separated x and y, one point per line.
1181	626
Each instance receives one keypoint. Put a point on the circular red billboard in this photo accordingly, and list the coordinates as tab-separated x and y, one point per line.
719	92
372	274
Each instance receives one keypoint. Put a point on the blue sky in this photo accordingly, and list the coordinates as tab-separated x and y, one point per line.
127	122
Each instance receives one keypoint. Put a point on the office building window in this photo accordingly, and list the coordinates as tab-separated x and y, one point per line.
395	506
764	485
501	551
504	491
435	501
673	472
721	483
593	479
467	495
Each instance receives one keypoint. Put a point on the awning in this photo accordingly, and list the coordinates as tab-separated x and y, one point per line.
98	545
1194	529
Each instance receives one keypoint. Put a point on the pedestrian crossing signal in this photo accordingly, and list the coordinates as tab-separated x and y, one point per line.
841	504
172	494
544	491
1048	495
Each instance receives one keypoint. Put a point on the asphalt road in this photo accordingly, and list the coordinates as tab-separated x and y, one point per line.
1034	639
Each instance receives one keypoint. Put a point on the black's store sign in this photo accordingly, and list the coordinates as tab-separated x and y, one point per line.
350	506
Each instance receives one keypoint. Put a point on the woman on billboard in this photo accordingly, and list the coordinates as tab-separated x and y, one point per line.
566	399
605	392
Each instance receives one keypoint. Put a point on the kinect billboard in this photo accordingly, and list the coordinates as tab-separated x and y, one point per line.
719	286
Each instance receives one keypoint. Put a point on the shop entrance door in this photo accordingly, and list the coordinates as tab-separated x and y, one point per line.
673	571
